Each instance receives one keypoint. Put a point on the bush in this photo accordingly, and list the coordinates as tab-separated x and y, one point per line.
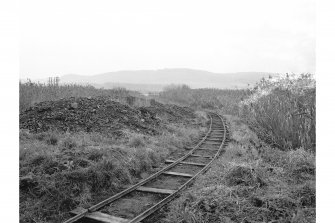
282	112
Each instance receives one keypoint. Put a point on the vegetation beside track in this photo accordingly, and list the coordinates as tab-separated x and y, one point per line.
251	182
31	92
281	110
268	171
226	100
61	170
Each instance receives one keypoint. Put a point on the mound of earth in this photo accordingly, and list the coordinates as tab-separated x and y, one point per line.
99	114
171	113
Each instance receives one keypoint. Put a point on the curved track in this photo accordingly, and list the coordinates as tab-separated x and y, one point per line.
182	171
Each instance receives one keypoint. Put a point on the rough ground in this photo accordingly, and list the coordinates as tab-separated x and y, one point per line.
79	151
99	114
250	182
170	112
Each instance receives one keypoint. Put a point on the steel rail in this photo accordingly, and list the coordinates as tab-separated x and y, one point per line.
166	200
134	187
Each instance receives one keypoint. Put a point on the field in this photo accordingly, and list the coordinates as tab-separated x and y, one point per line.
118	137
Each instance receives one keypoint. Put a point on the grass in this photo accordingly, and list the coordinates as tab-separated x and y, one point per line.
251	182
282	112
60	171
31	93
226	100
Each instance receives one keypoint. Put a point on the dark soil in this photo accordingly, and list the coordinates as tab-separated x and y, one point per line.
170	112
99	114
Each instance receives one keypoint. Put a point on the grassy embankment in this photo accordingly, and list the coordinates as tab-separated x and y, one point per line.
256	181
60	171
251	182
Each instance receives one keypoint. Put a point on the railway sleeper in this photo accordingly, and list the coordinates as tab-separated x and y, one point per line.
209	157
208	149
214	140
187	163
99	216
188	147
156	190
178	174
213	146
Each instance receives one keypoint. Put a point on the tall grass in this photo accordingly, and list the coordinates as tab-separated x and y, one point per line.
251	182
31	92
206	98
282	111
59	172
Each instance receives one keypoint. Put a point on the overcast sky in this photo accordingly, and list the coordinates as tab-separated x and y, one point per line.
90	37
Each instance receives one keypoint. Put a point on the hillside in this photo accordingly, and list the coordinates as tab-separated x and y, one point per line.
154	80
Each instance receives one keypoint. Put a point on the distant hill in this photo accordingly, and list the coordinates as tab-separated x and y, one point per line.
155	80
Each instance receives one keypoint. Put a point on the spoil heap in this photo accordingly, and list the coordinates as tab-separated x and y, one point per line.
171	113
99	114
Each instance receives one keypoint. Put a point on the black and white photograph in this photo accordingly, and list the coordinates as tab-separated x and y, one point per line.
154	111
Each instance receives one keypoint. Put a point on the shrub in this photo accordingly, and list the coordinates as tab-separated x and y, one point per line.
282	111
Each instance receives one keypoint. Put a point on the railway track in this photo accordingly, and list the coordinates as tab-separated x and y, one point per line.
164	185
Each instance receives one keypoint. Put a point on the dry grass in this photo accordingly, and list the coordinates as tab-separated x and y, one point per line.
226	100
31	93
251	182
59	172
282	112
